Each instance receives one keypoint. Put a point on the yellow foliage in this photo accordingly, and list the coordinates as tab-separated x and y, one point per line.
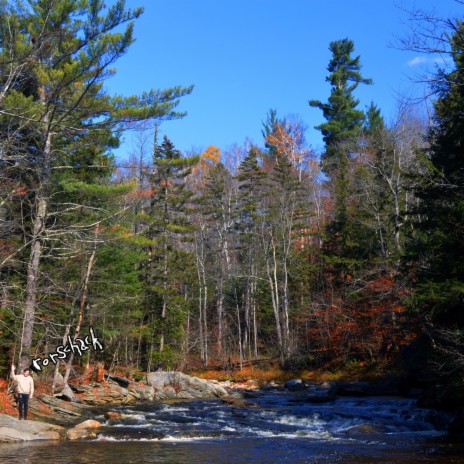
208	159
211	156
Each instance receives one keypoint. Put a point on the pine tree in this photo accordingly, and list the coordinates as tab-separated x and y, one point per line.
374	122
54	112
343	243
251	180
169	264
218	210
269	127
440	224
344	120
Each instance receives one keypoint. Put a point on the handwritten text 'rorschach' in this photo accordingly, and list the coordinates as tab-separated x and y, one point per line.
77	347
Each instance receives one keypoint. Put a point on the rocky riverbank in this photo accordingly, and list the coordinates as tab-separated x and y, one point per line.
70	414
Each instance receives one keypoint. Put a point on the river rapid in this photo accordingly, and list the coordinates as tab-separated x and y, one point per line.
273	427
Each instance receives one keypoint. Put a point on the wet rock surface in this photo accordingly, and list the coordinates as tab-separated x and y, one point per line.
295	385
86	429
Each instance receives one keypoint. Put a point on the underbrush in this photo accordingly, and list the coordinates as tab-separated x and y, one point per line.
330	372
7	405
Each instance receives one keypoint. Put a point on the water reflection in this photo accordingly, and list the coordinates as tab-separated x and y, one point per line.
239	451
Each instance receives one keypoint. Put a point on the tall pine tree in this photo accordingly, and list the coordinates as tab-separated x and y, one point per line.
344	120
166	269
54	111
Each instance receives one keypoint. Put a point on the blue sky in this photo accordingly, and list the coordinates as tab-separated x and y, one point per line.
247	56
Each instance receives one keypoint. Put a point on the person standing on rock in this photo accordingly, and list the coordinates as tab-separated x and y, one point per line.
25	390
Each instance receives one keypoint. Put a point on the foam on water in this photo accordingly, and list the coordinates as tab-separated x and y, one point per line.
274	415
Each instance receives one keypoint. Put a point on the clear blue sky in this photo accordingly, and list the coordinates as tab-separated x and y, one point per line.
247	56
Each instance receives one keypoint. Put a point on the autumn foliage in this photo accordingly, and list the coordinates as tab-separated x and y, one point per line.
370	326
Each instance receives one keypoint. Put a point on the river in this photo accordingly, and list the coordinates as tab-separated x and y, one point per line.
274	427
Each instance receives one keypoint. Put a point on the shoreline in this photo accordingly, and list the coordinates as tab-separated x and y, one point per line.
98	399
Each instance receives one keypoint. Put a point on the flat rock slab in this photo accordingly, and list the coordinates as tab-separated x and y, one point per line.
13	430
10	435
103	394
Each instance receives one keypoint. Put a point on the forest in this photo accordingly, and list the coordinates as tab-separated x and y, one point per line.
350	257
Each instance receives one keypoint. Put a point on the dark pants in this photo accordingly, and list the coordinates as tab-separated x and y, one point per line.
23	402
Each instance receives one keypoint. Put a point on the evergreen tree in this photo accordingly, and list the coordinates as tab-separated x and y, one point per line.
218	209
251	186
374	122
269	127
344	120
251	178
54	111
169	265
344	123
440	221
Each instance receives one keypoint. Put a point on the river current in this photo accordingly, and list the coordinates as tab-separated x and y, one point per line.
273	427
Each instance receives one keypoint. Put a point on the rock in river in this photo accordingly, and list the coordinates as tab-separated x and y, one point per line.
86	429
295	385
175	385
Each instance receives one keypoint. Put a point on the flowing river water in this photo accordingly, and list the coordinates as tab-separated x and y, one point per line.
273	427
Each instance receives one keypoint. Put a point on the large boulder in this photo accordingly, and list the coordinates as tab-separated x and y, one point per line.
365	429
67	394
141	393
86	429
315	394
295	385
113	415
89	424
13	430
79	434
176	385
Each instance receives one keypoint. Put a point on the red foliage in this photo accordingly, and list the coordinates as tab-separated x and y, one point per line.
6	248
20	191
6	400
370	327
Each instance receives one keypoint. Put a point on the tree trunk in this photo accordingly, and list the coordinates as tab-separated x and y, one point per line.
255	327
165	287
285	310
85	288
272	279
36	244
31	285
220	312
239	325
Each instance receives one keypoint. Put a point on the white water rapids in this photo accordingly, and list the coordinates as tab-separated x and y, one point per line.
273	427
